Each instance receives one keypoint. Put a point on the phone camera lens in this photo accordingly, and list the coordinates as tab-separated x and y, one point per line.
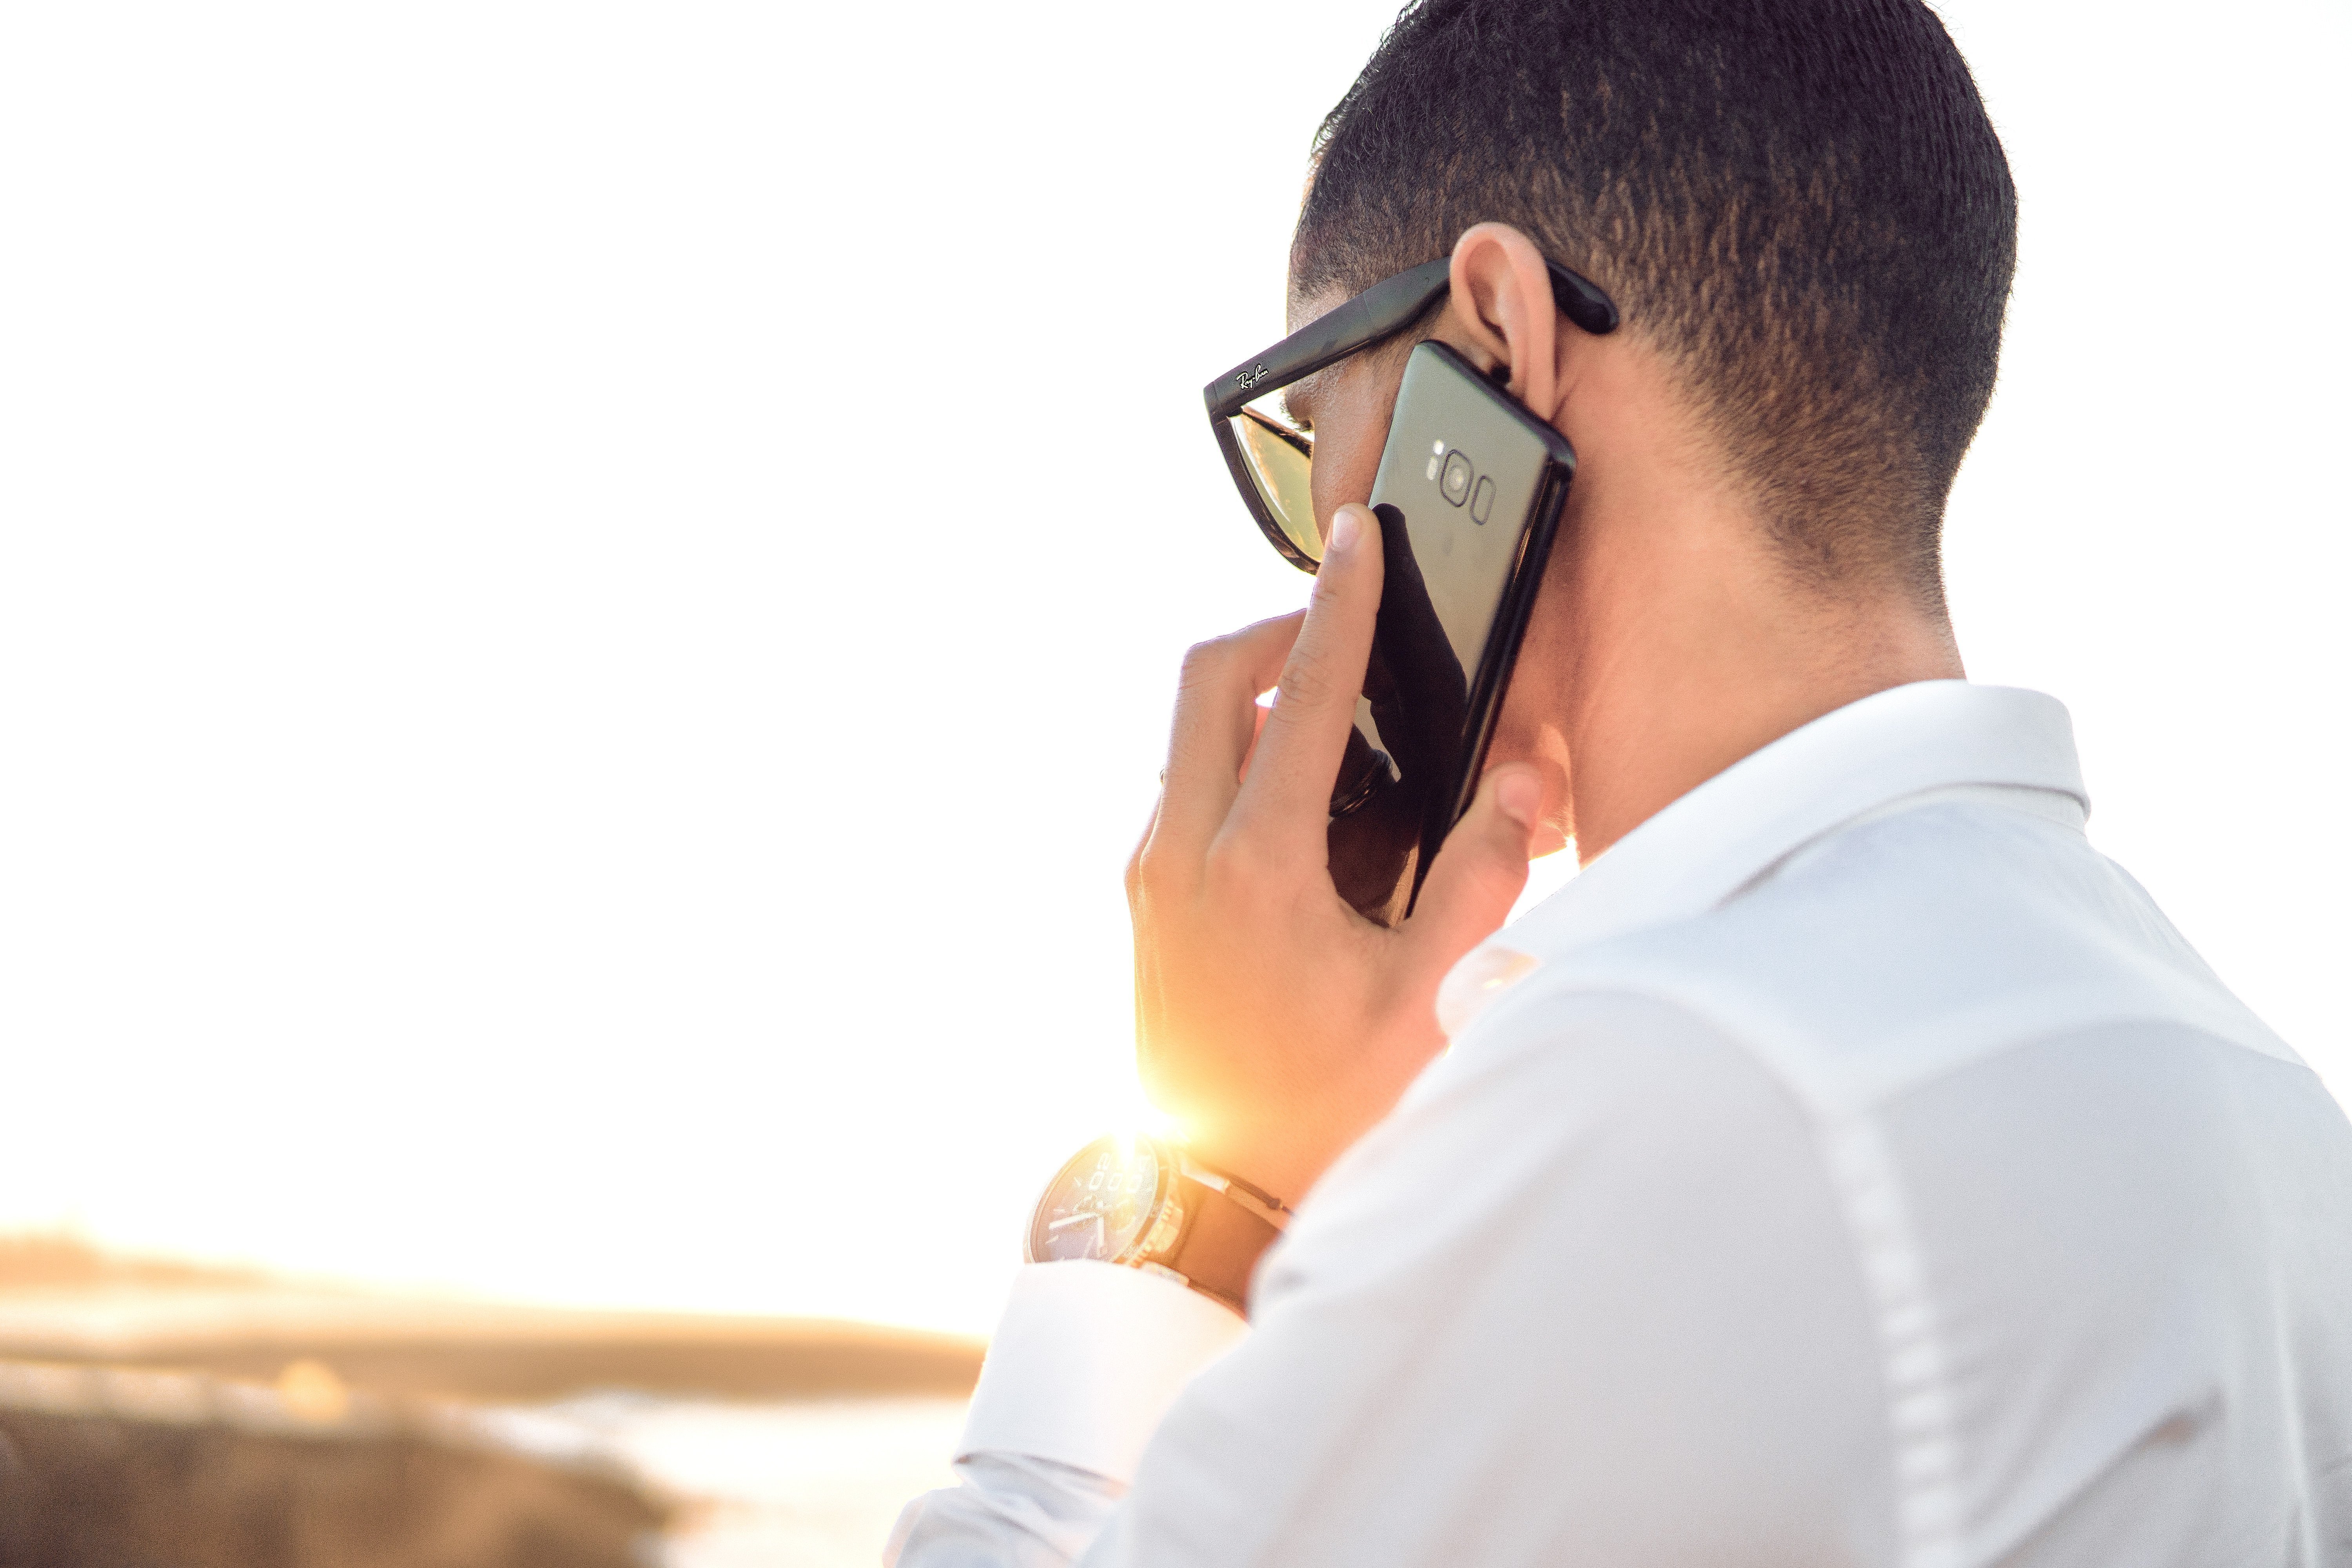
1455	483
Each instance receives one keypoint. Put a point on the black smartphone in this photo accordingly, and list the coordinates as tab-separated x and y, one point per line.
1469	495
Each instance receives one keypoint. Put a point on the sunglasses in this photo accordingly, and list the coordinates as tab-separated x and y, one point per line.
1272	460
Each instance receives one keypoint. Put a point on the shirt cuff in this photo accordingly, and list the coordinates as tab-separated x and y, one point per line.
1085	1360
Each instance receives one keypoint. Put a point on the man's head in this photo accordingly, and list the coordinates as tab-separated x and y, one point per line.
1798	206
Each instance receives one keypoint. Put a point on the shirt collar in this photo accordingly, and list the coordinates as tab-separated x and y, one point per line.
1713	841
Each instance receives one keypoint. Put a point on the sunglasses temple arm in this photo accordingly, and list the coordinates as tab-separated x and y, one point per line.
1380	311
1581	301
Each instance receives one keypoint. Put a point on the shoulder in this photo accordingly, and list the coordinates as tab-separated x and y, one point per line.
1896	950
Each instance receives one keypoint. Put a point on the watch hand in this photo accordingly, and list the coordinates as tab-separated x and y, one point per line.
1074	1219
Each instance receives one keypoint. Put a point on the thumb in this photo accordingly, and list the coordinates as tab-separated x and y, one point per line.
1480	871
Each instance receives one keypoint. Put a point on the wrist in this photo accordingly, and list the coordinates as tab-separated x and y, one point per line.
1143	1203
1283	1160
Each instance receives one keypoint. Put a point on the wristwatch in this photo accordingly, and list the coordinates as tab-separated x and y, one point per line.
1140	1202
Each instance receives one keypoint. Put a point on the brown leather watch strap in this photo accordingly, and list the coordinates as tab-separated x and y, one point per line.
1221	1243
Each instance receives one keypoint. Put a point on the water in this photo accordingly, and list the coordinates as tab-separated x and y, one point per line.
809	1484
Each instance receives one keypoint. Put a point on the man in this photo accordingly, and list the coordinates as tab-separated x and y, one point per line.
1851	1165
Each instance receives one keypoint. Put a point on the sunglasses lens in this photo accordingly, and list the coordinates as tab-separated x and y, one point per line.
1281	461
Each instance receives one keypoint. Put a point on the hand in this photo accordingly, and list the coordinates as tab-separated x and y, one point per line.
1273	1020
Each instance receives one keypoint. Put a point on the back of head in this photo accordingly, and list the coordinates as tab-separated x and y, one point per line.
1800	203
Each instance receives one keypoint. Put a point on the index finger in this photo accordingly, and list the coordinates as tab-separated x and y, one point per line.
1288	794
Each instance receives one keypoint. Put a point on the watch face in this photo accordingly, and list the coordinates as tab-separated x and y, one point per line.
1099	1205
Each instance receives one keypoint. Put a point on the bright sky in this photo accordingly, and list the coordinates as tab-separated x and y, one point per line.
588	595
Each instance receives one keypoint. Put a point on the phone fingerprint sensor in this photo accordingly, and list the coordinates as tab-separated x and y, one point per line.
1482	500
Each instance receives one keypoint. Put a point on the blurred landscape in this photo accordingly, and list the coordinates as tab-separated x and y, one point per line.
170	1416
433	643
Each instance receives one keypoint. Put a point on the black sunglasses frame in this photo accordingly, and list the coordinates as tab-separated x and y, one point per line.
1379	312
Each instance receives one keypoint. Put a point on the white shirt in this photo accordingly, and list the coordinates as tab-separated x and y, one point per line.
1850	1166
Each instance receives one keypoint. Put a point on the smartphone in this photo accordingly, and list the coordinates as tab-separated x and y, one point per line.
1469	495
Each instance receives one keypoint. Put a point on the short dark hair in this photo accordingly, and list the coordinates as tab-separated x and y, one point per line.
1801	202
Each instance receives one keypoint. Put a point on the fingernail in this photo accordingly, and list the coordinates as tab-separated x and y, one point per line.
1344	529
1520	797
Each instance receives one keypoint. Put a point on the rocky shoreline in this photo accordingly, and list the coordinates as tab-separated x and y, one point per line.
101	1467
164	1417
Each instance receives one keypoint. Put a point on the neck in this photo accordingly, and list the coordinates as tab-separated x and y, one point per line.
1676	644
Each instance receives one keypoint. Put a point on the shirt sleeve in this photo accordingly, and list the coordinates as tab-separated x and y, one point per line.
1085	1360
1586	1296
1006	1512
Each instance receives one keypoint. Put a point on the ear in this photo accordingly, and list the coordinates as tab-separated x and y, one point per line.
1502	305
